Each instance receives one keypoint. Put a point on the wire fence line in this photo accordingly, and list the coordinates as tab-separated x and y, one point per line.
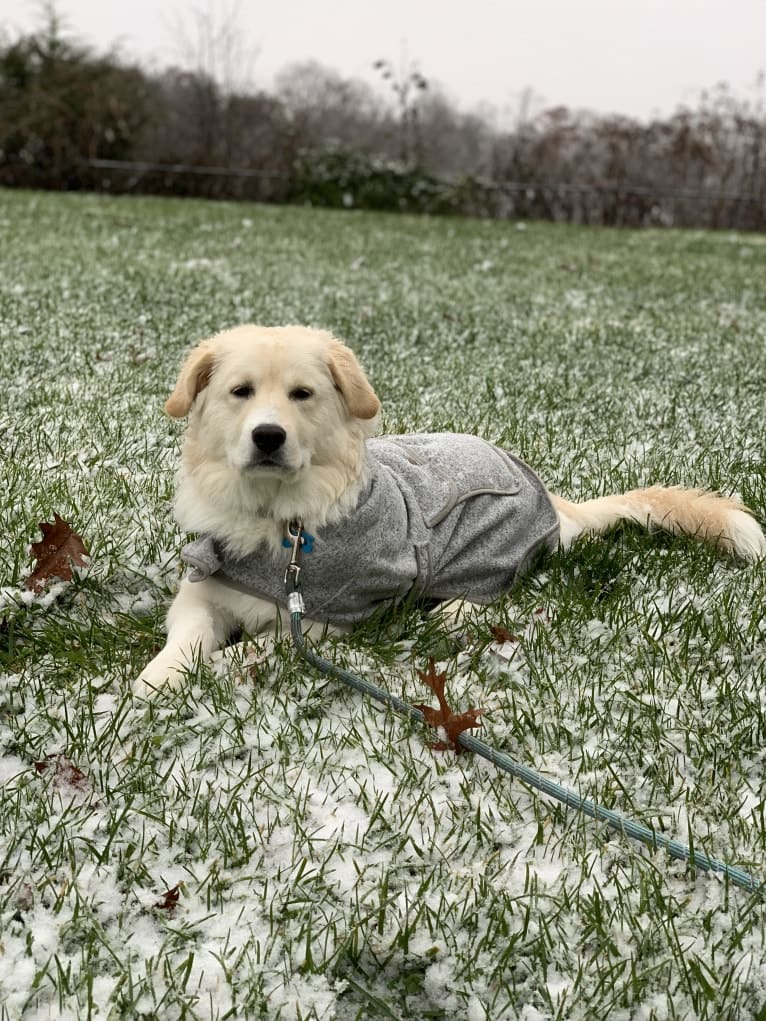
607	187
309	181
140	166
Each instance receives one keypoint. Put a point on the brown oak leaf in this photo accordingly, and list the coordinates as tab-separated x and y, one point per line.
501	634
169	898
452	723
59	549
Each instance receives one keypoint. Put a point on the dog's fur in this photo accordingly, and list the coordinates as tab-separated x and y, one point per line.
303	390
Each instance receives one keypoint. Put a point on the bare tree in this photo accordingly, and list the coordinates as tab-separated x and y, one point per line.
216	64
212	43
323	107
452	142
407	85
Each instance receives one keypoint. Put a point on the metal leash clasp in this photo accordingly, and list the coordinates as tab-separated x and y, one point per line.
294	539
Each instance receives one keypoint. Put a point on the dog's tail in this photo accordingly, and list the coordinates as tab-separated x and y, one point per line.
717	520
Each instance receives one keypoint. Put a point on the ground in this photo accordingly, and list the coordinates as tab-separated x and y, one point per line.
268	844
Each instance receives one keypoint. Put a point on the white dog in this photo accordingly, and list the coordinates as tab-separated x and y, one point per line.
280	432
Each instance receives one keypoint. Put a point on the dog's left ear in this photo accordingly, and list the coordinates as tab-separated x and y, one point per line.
360	398
194	376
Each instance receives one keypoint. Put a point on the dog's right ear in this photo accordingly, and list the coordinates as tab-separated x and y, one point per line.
194	376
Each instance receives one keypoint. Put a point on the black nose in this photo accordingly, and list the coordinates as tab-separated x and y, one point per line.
268	438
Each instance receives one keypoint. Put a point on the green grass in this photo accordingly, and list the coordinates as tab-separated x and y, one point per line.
328	863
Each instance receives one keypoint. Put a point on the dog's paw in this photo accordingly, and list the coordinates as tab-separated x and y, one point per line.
158	676
242	657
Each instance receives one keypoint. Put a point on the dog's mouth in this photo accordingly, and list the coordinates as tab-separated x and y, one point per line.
267	463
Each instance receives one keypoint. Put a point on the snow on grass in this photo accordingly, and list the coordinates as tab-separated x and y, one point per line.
267	843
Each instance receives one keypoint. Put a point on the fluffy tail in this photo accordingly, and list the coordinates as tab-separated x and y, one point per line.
717	520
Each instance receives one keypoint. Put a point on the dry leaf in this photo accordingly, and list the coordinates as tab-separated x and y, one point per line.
65	773
501	635
453	723
169	898
58	550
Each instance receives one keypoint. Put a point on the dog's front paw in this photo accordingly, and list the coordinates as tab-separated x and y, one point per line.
241	658
163	673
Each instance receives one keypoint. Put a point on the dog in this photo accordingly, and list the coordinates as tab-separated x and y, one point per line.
282	430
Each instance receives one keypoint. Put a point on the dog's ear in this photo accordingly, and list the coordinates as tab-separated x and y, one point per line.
360	398
193	377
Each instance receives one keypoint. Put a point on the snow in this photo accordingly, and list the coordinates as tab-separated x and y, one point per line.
327	857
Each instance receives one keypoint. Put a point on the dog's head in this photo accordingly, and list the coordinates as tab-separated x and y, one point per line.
271	402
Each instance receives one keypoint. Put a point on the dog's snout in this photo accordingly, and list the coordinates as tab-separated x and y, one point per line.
268	438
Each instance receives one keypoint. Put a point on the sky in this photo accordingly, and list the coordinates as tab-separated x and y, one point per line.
635	57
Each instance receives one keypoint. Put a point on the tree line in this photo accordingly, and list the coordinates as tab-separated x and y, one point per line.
71	118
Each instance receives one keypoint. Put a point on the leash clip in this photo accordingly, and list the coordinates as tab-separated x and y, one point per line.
296	540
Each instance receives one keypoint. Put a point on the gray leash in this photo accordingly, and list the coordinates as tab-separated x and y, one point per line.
637	831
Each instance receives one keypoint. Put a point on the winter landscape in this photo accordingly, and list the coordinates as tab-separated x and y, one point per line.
269	844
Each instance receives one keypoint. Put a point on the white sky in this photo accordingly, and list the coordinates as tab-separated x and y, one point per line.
636	57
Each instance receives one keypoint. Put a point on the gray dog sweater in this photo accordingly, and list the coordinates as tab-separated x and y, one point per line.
442	516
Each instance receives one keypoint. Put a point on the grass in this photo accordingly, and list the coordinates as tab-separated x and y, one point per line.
266	844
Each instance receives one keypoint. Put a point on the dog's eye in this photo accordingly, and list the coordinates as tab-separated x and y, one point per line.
301	393
242	391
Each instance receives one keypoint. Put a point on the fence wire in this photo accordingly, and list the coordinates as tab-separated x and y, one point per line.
610	203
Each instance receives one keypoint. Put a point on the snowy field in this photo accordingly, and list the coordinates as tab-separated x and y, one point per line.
267	844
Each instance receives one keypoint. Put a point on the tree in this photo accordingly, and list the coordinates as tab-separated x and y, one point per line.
60	104
407	84
324	108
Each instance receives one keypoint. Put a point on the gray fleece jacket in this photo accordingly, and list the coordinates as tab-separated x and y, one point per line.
442	516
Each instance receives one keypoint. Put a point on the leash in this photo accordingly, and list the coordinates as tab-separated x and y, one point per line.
300	541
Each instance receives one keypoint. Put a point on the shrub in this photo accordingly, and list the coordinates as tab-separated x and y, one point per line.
343	177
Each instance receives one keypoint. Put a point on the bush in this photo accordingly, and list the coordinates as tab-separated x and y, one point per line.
343	177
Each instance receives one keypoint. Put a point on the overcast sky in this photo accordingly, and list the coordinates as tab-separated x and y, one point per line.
637	57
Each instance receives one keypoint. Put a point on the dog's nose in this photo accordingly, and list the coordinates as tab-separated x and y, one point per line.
268	438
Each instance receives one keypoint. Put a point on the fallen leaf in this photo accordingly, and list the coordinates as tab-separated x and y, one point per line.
169	898
501	635
65	773
452	723
57	552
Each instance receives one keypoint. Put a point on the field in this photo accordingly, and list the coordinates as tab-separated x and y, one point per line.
268	844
